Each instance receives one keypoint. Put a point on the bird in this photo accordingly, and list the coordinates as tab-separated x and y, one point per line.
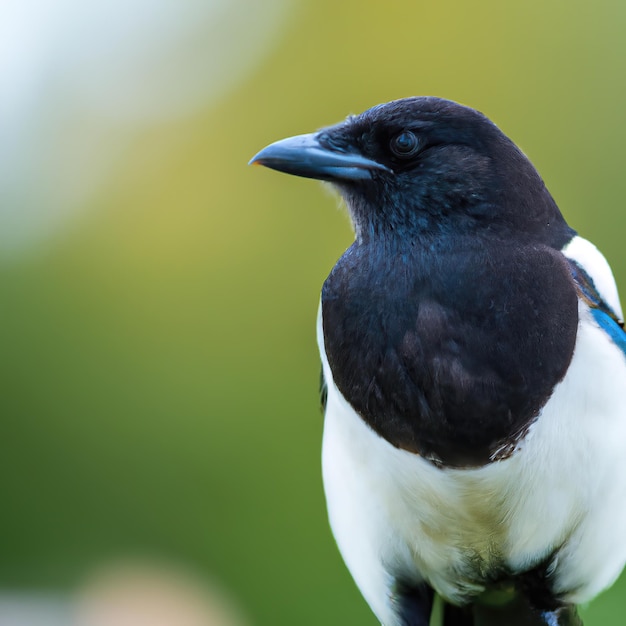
473	375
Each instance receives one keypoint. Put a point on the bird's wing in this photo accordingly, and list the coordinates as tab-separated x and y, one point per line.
596	287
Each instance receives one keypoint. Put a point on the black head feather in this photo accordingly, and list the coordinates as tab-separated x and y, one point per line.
464	173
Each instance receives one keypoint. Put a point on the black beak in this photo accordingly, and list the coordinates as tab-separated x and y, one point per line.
304	155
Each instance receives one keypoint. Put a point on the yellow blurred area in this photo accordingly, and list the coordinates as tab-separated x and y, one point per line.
159	365
126	594
132	595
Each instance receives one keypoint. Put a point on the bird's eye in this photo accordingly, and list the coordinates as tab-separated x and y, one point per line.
404	144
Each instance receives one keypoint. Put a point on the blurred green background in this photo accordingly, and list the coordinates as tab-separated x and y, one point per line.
157	318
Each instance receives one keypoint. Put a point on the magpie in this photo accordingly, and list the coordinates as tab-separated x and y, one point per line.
474	375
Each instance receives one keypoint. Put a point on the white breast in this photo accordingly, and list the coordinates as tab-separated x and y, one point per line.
394	514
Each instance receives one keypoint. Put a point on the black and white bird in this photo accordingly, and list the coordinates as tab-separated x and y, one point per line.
474	358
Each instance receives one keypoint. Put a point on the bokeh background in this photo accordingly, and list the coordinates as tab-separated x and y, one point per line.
160	430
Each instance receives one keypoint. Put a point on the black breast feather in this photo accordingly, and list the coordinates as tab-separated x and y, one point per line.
451	356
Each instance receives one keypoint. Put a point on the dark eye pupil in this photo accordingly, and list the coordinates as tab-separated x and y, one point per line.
404	144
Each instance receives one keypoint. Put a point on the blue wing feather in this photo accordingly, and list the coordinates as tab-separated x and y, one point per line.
604	315
608	324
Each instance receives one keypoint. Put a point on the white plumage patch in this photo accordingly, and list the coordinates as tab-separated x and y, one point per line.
594	263
394	514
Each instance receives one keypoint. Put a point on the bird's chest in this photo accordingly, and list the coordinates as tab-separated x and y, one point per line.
450	362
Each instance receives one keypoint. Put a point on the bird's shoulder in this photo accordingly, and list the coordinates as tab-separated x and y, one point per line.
596	288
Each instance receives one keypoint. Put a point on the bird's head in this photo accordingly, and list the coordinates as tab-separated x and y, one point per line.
422	165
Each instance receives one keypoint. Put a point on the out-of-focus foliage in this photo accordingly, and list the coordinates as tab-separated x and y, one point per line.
159	365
